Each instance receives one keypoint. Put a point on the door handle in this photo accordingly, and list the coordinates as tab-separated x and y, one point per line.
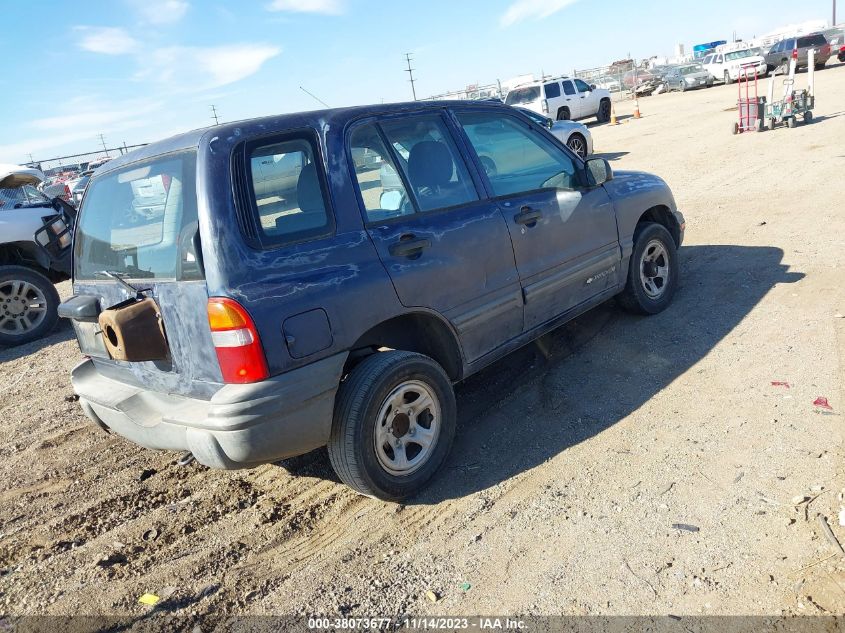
527	215
407	246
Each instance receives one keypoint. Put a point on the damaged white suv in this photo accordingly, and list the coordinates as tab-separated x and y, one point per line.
35	239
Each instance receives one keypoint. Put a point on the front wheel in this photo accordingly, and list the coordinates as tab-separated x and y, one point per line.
28	305
393	425
603	115
728	79
577	144
653	271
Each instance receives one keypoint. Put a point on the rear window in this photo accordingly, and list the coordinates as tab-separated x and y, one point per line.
140	222
811	40
523	95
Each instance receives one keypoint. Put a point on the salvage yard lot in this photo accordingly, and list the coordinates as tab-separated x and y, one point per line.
574	457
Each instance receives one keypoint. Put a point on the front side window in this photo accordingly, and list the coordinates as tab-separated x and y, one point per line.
568	88
519	159
380	185
552	90
434	168
582	86
140	221
287	191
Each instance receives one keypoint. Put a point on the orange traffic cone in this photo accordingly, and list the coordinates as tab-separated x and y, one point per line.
613	120
636	108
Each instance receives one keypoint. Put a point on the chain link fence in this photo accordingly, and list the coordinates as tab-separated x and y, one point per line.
79	162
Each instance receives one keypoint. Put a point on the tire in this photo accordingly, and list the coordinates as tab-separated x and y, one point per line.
603	115
819	66
758	125
28	305
577	144
728	80
683	86
790	122
563	114
363	412
735	128
638	297
772	124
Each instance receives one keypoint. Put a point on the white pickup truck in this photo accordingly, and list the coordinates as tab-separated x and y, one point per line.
727	66
35	245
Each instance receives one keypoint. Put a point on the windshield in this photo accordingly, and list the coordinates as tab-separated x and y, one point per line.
22	197
688	70
729	57
523	95
140	222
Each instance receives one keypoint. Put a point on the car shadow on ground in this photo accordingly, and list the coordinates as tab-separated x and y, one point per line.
591	373
63	332
611	156
587	375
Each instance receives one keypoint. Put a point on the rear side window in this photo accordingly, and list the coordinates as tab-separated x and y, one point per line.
287	191
568	88
552	90
811	40
523	95
140	222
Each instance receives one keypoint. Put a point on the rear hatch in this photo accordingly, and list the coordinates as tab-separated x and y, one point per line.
137	233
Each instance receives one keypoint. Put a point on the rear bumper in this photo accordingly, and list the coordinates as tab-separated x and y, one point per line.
239	427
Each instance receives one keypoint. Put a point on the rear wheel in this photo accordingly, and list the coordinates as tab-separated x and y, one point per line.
577	144
683	86
393	425
653	271
563	114
603	115
28	305
808	117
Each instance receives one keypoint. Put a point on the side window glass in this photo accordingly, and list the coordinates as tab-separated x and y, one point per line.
434	168
568	88
552	90
582	86
379	183
288	194
516	158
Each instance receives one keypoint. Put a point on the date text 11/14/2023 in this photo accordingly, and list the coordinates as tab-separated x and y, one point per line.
433	623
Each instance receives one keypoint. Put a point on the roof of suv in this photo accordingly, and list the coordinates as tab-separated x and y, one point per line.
272	123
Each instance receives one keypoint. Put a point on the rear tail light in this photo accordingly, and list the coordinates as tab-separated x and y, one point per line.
236	342
545	105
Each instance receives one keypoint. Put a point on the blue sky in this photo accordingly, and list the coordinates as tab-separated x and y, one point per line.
141	70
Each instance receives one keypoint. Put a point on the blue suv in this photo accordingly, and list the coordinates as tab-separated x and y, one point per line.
254	291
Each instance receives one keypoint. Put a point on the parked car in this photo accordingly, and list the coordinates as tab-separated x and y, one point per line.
641	82
836	38
611	84
576	136
562	99
246	331
780	54
727	66
35	240
687	77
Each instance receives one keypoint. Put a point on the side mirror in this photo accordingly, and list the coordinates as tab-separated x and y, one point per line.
592	86
391	200
550	124
598	171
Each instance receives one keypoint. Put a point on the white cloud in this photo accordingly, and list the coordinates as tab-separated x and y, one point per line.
528	9
187	68
106	39
160	11
328	7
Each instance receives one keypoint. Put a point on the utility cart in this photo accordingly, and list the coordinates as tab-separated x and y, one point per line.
792	103
750	104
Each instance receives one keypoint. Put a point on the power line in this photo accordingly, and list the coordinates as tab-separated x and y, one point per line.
410	72
313	96
214	114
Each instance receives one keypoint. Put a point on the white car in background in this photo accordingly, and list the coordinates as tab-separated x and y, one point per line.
576	136
562	98
726	66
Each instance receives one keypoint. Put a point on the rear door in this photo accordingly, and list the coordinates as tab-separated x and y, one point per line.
445	248
571	100
564	235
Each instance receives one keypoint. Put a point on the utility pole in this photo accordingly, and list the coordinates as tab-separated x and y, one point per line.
410	72
31	159
214	114
834	14
105	149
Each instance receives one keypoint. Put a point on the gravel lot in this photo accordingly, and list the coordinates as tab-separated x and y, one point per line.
574	457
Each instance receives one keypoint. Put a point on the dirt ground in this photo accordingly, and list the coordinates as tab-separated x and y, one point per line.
574	457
